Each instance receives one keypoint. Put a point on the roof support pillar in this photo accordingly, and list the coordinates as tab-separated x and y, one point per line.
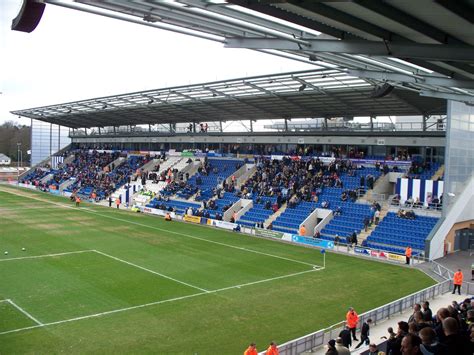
372	123
425	119
251	125
220	127
286	125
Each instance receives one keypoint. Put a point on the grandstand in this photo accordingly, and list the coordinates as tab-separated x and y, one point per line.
246	194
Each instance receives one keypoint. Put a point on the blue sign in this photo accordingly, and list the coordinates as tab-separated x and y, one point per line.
325	244
361	251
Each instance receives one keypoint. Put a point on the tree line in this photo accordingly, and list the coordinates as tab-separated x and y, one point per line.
12	133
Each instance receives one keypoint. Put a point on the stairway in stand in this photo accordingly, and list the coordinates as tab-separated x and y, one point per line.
275	215
364	235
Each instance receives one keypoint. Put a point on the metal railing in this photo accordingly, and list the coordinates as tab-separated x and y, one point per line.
321	337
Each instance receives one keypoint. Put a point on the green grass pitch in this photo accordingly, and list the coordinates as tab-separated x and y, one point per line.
97	280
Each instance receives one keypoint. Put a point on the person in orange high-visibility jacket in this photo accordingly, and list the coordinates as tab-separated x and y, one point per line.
303	230
457	280
272	349
351	321
408	255
251	350
117	202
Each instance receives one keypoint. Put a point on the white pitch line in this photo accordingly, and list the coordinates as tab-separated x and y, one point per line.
153	272
25	312
47	255
205	240
157	302
1	301
28	208
167	231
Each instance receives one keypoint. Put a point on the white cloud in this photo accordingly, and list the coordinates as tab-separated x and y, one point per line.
74	55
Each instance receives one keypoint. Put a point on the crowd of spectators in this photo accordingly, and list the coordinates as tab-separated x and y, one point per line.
296	180
449	331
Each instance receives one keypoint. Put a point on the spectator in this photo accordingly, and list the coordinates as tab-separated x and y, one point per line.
455	342
373	349
416	308
376	217
429	343
302	231
354	238
340	348
457	281
394	344
366	223
408	253
272	349
351	320
251	350
419	322
364	333
331	348
410	345
345	335
427	313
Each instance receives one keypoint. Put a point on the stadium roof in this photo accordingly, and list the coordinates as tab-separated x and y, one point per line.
423	48
304	94
422	45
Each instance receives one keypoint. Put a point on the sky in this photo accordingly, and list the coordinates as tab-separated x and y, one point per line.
73	55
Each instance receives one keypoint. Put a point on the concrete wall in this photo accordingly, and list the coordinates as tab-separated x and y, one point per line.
241	206
461	210
312	220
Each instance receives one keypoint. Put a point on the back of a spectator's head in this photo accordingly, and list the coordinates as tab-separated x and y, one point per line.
418	316
450	326
427	335
339	340
403	326
442	314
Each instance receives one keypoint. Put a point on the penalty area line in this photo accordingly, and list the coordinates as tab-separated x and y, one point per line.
96	315
149	270
47	255
25	312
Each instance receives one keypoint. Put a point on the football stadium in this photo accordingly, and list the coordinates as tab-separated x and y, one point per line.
301	212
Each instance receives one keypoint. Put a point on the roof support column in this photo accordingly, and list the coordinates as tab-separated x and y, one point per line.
286	125
251	125
325	127
425	119
372	123
220	128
